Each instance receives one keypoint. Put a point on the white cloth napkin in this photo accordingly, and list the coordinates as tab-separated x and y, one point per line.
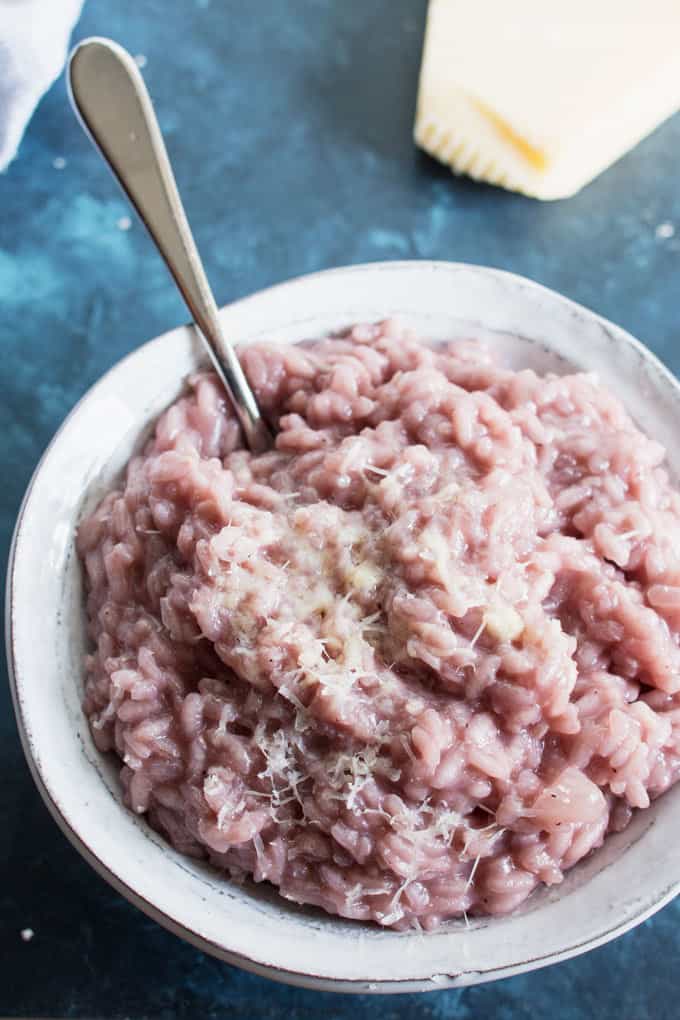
34	37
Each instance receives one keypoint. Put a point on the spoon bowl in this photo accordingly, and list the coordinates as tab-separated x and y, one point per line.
633	874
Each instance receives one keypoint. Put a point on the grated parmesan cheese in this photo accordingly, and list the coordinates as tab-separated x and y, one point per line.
503	622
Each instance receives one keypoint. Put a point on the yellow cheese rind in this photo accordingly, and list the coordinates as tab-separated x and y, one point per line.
539	102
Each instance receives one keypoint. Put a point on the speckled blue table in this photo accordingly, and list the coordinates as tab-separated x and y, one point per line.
289	122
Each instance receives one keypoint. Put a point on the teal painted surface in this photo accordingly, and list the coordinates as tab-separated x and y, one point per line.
289	124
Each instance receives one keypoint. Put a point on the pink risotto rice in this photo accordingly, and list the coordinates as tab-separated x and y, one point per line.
418	659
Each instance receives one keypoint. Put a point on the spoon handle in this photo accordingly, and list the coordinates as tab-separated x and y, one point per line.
110	97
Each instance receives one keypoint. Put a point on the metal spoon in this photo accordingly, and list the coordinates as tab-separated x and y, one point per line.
111	100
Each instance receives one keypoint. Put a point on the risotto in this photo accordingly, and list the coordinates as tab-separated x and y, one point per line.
413	662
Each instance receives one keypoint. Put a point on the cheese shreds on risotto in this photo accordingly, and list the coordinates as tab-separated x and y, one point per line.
416	660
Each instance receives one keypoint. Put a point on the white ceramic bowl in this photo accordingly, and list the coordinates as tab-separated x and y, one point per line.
635	872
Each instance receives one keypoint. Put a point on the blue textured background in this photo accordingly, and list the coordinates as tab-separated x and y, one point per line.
289	123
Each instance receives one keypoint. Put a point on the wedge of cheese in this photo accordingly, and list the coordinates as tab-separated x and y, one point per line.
540	97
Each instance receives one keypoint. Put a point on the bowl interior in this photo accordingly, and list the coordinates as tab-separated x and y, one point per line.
634	873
